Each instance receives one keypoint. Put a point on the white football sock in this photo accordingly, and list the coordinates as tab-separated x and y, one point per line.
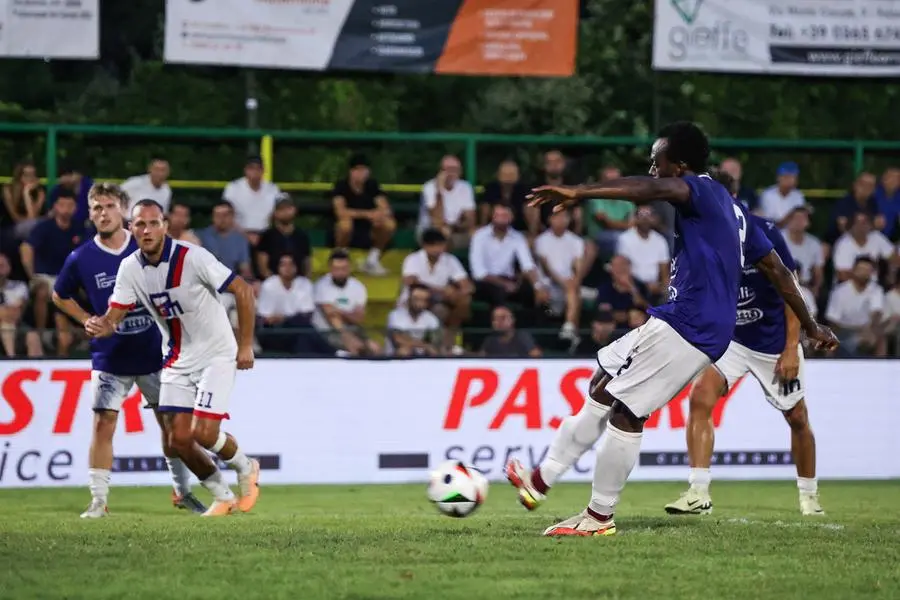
808	485
374	256
215	483
576	435
239	462
99	483
181	476
700	480
618	453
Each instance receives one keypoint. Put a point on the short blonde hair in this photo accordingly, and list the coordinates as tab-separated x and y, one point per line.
107	188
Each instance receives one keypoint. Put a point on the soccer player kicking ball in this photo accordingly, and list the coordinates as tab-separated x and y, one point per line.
132	355
178	283
766	344
645	369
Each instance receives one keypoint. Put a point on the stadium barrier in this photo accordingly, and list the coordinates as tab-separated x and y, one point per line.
350	421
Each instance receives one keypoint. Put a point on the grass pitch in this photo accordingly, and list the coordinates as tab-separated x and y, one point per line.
379	542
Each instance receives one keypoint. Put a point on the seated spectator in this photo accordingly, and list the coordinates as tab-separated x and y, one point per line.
363	216
777	201
283	237
860	240
445	279
23	200
806	249
253	199
412	330
745	194
448	204
179	219
494	254
70	180
861	198
887	195
225	242
43	256
606	220
505	340
553	173
855	309
891	317
560	254
647	251
286	303
621	298
602	334
13	296
153	185
341	308
506	189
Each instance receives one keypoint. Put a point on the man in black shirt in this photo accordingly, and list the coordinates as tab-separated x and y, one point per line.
283	238
507	189
506	341
553	173
621	296
363	217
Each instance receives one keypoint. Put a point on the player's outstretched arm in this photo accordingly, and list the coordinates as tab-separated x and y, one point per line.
246	308
639	190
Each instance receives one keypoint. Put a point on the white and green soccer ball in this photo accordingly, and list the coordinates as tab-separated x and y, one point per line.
457	489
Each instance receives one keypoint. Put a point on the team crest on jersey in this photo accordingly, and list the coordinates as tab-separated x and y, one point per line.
165	306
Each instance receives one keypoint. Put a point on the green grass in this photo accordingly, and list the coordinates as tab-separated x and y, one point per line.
371	542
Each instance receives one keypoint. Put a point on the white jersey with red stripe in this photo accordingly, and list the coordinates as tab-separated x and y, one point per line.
181	292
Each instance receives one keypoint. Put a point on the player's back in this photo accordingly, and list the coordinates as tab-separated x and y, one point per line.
706	268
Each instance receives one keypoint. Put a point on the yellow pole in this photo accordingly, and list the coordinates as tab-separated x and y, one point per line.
267	154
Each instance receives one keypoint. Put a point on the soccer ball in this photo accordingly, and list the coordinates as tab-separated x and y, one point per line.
457	489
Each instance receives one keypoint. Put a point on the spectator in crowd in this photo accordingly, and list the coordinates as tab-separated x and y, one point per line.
285	307
560	254
448	204
860	198
553	173
891	323
602	330
647	251
179	219
225	242
806	249
887	195
777	201
70	180
341	308
854	311
363	216
745	194
494	254
283	237
606	220
412	330
621	299
253	199
442	274
506	189
505	340
13	296
860	240
23	200
153	185
43	256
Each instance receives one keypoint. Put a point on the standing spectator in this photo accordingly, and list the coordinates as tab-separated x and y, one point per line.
448	284
495	253
860	198
620	298
283	237
70	180
506	189
854	311
341	308
806	249
43	256
448	204
23	200
505	340
154	185
887	194
860	240
560	254
179	219
253	199
225	242
412	330
776	201
607	219
745	194
363	216
13	296
648	252
553	173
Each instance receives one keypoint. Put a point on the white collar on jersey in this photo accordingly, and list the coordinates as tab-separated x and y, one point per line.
113	251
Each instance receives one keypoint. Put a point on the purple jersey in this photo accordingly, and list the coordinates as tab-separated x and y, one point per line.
760	315
713	239
136	347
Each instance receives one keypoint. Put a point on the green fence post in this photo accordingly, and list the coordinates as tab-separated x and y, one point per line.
472	160
51	156
859	157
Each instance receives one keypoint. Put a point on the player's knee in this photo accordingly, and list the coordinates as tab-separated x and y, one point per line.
206	432
797	417
704	394
105	424
624	420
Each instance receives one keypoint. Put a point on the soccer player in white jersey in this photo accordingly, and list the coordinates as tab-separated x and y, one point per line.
179	284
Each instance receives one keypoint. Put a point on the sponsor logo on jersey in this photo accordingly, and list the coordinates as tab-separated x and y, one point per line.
748	315
746	296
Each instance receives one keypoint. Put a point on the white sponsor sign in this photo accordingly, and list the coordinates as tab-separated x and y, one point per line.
254	33
800	37
50	28
334	421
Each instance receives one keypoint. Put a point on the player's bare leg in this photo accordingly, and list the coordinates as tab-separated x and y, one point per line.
181	474
100	457
803	448
208	434
181	439
575	436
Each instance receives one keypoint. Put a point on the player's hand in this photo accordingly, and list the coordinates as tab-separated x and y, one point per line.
245	358
788	366
823	338
98	327
563	196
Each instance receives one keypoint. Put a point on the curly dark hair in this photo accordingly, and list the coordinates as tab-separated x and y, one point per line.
725	179
687	144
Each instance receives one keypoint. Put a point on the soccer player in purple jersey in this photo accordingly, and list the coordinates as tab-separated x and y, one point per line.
642	371
133	355
766	344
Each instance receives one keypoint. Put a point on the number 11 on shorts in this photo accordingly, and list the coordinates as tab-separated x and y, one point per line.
204	399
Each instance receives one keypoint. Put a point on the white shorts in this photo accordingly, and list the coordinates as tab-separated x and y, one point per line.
649	366
206	393
110	391
739	360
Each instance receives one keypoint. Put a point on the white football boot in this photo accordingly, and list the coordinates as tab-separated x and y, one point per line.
691	502
582	524
96	510
809	505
